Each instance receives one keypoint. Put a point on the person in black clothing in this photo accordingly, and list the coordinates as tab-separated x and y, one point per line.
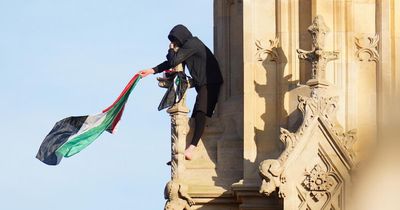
203	68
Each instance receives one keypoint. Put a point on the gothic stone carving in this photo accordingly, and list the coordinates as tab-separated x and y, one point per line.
370	49
179	129
263	51
322	186
318	182
177	196
316	107
272	178
272	170
318	56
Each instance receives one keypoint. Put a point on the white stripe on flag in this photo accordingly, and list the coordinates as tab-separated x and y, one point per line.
91	121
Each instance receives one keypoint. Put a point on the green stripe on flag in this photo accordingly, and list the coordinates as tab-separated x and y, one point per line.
80	142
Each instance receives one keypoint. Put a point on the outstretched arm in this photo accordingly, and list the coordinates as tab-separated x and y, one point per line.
145	72
160	67
174	57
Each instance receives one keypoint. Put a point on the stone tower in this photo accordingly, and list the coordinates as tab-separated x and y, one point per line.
305	87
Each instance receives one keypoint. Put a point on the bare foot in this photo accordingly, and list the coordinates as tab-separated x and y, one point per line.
189	152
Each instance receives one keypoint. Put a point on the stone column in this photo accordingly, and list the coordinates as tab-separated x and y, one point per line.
176	191
179	130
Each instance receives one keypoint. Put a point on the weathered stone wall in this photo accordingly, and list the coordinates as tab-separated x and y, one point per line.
256	43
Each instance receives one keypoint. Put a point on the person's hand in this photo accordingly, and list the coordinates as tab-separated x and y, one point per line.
144	73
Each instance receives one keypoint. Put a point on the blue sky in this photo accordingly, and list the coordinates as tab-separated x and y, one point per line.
63	58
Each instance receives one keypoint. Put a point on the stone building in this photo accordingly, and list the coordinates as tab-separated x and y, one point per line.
306	86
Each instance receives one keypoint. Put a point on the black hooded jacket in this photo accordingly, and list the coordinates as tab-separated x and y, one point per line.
202	64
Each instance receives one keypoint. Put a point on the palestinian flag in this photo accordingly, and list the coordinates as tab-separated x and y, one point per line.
72	134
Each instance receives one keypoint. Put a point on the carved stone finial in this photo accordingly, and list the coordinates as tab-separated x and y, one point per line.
370	48
318	30
318	56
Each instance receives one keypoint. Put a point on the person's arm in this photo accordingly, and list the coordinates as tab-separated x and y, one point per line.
162	66
145	72
175	58
155	70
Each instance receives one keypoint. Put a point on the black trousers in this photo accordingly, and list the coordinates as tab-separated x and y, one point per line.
206	99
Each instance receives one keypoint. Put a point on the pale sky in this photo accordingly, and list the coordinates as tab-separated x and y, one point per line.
70	58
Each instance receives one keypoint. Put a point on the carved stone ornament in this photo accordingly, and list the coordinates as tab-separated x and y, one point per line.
179	123
371	48
318	56
319	182
325	108
264	51
177	196
312	108
315	109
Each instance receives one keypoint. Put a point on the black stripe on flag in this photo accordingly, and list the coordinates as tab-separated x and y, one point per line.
60	133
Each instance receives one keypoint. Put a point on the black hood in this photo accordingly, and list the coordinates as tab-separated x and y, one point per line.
180	33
